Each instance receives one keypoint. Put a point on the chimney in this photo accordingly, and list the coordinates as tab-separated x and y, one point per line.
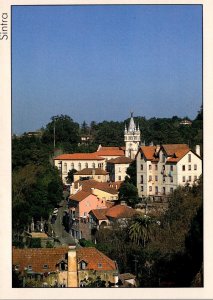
72	276
92	190
197	150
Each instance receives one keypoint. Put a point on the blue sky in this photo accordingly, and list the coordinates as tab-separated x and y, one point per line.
100	62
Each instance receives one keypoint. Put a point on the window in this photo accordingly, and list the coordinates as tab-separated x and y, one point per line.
72	166
93	165
171	179
156	190
184	179
79	166
171	190
171	168
189	158
141	178
150	188
65	167
99	177
156	167
150	177
156	178
119	169
29	267
141	188
164	190
99	265
119	178
195	167
83	265
189	167
190	178
86	165
45	266
141	167
150	167
183	167
195	178
141	155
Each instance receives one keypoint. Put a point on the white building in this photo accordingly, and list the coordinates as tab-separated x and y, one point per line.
78	161
98	159
117	168
132	138
160	169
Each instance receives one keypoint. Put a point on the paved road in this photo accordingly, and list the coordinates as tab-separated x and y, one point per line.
58	228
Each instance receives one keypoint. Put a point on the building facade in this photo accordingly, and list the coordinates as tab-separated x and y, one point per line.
98	159
63	266
161	169
117	168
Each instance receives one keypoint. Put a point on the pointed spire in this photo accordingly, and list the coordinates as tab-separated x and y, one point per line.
132	126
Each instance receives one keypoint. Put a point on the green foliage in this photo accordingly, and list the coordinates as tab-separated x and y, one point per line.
86	243
66	131
132	173
128	192
35	243
140	230
70	175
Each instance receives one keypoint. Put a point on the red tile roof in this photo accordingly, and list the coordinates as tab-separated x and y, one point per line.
110	151
95	259
121	211
100	214
104	186
120	160
174	152
79	156
92	171
148	151
38	257
81	195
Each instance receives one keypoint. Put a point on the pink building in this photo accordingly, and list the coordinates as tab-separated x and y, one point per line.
80	204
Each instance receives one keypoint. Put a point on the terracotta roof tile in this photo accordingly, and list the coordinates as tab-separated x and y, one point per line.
92	171
148	151
120	160
121	211
104	186
110	151
100	214
38	257
79	156
95	259
81	195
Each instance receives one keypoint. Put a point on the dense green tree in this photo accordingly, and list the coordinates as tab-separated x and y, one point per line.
66	131
140	230
128	192
132	173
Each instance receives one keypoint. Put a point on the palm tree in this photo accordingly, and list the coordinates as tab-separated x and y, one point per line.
140	229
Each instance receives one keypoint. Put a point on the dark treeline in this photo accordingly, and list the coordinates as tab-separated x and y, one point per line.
68	133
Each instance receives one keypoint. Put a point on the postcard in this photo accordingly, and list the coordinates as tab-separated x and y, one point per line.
106	149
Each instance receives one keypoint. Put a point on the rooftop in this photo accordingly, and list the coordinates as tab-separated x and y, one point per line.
79	156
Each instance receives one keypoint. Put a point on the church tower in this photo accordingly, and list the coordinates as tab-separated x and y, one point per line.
132	139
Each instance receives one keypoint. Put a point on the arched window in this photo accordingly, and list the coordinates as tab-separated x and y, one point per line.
86	165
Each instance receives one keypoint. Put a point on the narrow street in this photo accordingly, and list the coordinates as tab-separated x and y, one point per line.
58	228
